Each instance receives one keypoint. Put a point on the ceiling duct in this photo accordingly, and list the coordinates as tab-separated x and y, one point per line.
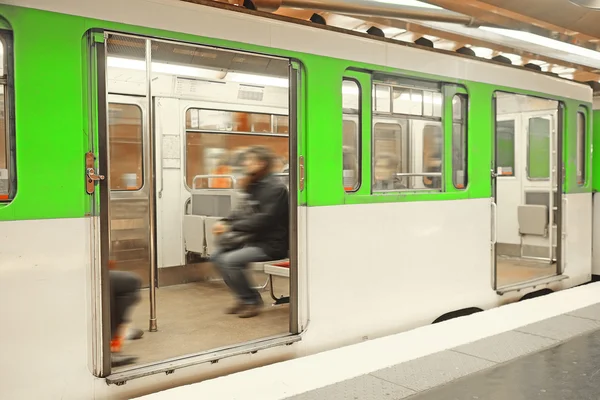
362	8
533	66
467	51
318	19
424	42
502	59
375	31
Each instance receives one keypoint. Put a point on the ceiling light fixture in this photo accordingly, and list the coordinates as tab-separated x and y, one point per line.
544	41
593	4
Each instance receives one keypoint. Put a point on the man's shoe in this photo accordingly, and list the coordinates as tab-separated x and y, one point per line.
251	310
235	309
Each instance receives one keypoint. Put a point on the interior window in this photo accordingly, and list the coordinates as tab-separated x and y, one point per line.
505	147
125	142
215	140
538	148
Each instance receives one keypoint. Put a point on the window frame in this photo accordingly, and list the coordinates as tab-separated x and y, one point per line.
7	80
583	112
513	173
463	122
359	134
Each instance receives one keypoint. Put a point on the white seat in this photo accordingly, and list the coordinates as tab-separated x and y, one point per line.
194	233
533	220
209	223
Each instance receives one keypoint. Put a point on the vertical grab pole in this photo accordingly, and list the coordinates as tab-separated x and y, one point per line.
551	181
153	326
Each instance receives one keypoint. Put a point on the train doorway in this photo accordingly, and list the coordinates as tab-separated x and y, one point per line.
527	200
179	119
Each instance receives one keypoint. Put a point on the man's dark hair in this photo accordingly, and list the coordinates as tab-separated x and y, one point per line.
263	154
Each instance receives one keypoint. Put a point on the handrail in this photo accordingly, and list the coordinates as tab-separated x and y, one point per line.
233	179
419	174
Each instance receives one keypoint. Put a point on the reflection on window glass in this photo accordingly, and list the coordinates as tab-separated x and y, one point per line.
350	135
221	154
125	143
388	157
432	155
538	159
459	141
505	147
581	148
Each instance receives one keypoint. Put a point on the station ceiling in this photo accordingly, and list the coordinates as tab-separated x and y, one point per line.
523	31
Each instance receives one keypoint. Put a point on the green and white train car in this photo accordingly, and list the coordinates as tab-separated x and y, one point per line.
490	199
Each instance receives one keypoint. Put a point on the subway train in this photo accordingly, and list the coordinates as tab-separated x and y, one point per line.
423	185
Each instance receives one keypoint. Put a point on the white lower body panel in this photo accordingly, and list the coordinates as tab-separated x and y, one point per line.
365	271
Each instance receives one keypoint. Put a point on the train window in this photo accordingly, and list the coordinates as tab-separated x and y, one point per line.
581	148
215	140
505	147
351	135
459	141
538	149
7	140
408	142
126	148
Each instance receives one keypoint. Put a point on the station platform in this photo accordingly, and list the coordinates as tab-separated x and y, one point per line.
547	347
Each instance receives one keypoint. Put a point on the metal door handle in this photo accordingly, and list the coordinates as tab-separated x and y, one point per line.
301	172
495	222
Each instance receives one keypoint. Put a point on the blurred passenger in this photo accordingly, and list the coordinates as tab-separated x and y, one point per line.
261	228
386	167
124	294
237	162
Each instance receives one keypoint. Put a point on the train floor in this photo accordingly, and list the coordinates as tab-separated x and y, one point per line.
191	319
512	271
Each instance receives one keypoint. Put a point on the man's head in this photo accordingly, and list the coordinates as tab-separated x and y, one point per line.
258	161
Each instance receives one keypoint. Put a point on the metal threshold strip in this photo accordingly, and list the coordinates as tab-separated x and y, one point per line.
531	284
169	366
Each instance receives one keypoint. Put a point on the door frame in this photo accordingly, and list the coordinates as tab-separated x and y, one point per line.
98	102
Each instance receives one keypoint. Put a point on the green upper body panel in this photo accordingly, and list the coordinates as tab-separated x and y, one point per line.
52	128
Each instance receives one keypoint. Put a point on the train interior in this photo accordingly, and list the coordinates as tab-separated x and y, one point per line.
527	203
206	107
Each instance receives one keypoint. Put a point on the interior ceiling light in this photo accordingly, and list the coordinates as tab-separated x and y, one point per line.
410	3
200	73
593	4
